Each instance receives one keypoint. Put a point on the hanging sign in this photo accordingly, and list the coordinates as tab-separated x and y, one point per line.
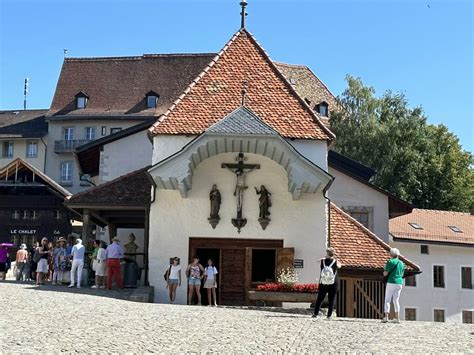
22	231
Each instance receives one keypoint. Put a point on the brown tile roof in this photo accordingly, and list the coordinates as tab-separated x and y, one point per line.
116	86
308	86
356	246
435	226
23	123
132	189
217	91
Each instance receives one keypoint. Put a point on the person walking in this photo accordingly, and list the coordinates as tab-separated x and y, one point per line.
33	263
42	269
393	275
3	262
77	254
173	278
328	282
113	254
21	262
59	261
195	273
210	282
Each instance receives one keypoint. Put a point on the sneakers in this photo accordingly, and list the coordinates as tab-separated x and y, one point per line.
329	318
78	286
102	287
95	286
53	283
384	320
395	320
71	285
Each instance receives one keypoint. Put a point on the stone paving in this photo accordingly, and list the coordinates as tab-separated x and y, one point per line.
51	319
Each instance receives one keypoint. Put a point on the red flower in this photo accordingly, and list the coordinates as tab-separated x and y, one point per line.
278	287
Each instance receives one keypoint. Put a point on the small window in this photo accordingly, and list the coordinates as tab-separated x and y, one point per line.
115	130
466	277
66	173
438	276
263	265
362	217
467	317
151	99
410	281
424	249
16	215
68	133
57	215
455	229
438	315
103	130
293	81
415	225
322	109
81	100
410	314
25	215
90	133
34	215
7	150
32	149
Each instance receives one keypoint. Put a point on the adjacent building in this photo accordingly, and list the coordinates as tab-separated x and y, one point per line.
442	243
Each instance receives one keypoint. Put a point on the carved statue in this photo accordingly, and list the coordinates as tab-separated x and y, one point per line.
131	247
264	204
215	197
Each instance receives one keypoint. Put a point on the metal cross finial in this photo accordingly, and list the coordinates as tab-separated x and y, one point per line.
243	14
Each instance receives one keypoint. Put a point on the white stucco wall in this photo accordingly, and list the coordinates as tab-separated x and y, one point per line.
346	191
20	149
55	132
425	297
124	156
166	145
315	151
300	223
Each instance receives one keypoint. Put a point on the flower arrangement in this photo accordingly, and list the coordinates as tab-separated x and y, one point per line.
281	287
287	276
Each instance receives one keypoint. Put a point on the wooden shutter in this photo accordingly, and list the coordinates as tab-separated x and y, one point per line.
285	258
466	277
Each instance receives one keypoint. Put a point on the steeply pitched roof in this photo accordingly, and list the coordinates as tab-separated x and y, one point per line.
10	171
241	121
131	190
117	86
435	227
356	246
242	64
23	124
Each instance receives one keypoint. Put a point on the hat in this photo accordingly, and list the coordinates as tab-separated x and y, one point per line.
115	239
23	246
61	239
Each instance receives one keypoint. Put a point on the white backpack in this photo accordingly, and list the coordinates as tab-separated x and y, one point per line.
328	277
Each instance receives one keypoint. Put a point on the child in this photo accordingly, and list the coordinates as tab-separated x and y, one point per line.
210	281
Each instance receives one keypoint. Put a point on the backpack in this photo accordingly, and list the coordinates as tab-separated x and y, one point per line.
328	277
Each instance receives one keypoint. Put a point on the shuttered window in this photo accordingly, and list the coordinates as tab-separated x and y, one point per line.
410	313
410	281
438	276
467	317
466	277
438	315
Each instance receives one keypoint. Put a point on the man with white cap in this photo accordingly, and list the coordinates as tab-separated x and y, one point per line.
77	254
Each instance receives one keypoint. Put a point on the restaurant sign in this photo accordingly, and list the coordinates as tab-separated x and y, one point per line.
22	231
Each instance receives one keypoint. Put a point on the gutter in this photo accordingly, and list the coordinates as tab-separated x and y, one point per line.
325	190
45	154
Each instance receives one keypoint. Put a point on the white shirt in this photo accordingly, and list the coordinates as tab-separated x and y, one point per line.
174	272
210	272
78	251
101	257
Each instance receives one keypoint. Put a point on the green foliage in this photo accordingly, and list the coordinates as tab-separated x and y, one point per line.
419	162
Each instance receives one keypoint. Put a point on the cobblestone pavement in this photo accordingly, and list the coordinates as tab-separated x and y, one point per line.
52	319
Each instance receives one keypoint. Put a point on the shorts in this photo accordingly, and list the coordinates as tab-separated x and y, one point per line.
42	266
173	281
194	282
101	269
210	283
3	267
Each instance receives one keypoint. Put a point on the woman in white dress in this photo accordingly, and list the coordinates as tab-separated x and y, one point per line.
101	266
210	282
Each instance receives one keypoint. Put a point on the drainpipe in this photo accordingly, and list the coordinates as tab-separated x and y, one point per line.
45	154
325	190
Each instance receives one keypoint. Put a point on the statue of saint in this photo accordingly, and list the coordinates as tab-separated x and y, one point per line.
215	198
131	247
264	202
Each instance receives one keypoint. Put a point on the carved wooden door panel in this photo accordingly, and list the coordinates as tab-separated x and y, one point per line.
232	278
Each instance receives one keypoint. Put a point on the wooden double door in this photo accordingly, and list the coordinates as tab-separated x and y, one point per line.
238	266
361	298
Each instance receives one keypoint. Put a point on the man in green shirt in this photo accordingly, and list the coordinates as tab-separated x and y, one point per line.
394	270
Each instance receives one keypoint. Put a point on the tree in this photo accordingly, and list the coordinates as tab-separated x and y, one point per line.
419	162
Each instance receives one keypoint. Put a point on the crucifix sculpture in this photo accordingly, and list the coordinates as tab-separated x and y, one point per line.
240	170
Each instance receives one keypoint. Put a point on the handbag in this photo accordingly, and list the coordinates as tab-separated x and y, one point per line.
36	257
167	274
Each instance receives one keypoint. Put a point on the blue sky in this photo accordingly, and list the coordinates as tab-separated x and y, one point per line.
421	47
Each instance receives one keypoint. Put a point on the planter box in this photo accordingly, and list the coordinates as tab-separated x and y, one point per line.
282	296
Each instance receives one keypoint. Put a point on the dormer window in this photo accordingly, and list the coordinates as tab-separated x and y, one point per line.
323	109
151	99
81	100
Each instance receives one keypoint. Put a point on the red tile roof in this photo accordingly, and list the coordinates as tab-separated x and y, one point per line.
356	246
217	91
435	226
